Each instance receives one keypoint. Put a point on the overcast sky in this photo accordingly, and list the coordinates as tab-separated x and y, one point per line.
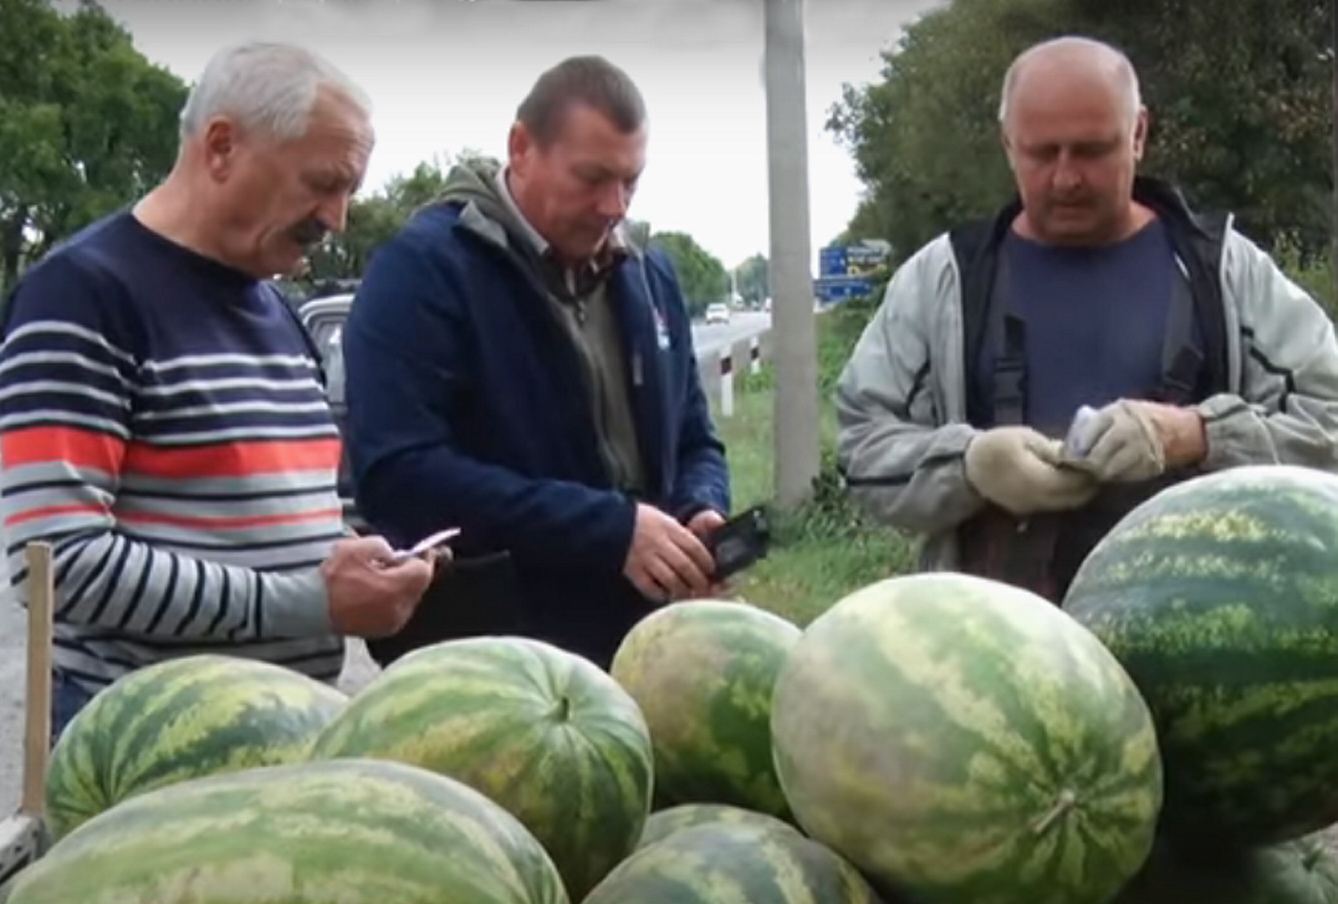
447	75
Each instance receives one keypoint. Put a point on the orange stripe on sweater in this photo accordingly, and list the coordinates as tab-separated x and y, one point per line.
81	448
229	523
234	458
54	511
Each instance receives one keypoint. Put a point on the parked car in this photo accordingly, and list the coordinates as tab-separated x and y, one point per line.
324	319
717	313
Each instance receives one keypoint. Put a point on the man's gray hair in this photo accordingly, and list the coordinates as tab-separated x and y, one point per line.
1099	50
268	86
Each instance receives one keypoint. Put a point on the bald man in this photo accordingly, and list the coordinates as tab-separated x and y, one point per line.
1030	378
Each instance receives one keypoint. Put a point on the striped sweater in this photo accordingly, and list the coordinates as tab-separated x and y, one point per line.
164	426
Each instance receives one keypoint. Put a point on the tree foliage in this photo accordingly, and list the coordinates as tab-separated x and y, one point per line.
87	124
700	274
751	279
373	219
1239	97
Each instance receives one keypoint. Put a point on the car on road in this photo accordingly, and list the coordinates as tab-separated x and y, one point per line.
717	313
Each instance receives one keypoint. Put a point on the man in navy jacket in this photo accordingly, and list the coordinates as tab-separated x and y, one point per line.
519	367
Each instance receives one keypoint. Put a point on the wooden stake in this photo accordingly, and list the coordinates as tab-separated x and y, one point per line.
37	740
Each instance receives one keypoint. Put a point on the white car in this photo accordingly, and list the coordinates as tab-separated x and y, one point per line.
717	313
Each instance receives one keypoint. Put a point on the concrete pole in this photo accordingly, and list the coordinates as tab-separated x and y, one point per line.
797	450
1333	150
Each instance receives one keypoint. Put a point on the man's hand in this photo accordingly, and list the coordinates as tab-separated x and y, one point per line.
705	521
666	560
701	525
1018	469
1133	440
369	596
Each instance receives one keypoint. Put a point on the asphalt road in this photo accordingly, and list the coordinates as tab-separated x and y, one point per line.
358	670
742	325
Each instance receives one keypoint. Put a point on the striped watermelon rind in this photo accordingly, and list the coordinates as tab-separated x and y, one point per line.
964	742
545	733
1220	597
1301	871
663	823
703	673
709	864
178	720
356	832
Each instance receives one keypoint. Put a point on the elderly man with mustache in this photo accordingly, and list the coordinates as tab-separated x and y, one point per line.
1031	377
162	418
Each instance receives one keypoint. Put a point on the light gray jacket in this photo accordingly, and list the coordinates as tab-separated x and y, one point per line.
901	400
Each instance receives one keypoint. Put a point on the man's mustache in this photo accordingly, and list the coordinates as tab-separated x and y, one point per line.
308	232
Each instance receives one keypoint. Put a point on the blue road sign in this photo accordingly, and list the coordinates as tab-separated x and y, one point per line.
849	260
832	261
841	288
862	258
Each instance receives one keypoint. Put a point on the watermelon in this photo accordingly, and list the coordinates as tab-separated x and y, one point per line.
663	823
177	720
546	734
724	863
963	741
347	831
1220	597
703	673
1303	871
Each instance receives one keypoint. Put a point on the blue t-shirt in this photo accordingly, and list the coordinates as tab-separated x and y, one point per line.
1095	322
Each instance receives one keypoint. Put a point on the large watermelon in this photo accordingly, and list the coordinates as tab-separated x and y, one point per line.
703	673
350	831
734	864
1220	598
177	720
966	742
663	823
544	733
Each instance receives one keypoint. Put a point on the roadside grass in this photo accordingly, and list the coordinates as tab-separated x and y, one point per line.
826	548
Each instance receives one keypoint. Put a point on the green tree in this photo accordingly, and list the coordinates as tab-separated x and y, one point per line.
1238	94
701	275
87	124
375	218
751	279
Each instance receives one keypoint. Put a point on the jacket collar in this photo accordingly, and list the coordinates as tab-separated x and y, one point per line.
1164	198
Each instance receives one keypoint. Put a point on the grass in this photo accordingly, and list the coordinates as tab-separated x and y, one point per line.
826	548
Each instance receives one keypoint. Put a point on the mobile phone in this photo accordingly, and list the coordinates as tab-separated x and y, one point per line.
740	541
431	541
1076	441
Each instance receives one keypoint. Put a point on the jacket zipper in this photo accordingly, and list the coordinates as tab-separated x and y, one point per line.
584	365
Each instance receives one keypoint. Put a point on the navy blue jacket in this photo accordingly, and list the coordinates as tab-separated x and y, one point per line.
466	407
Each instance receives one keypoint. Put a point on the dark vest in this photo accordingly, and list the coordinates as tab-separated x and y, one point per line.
1042	552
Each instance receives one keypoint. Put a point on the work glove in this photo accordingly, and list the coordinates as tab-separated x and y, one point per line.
1131	440
1023	471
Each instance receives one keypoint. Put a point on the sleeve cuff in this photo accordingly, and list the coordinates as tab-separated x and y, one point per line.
295	604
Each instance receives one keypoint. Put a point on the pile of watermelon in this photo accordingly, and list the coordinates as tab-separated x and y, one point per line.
1168	735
